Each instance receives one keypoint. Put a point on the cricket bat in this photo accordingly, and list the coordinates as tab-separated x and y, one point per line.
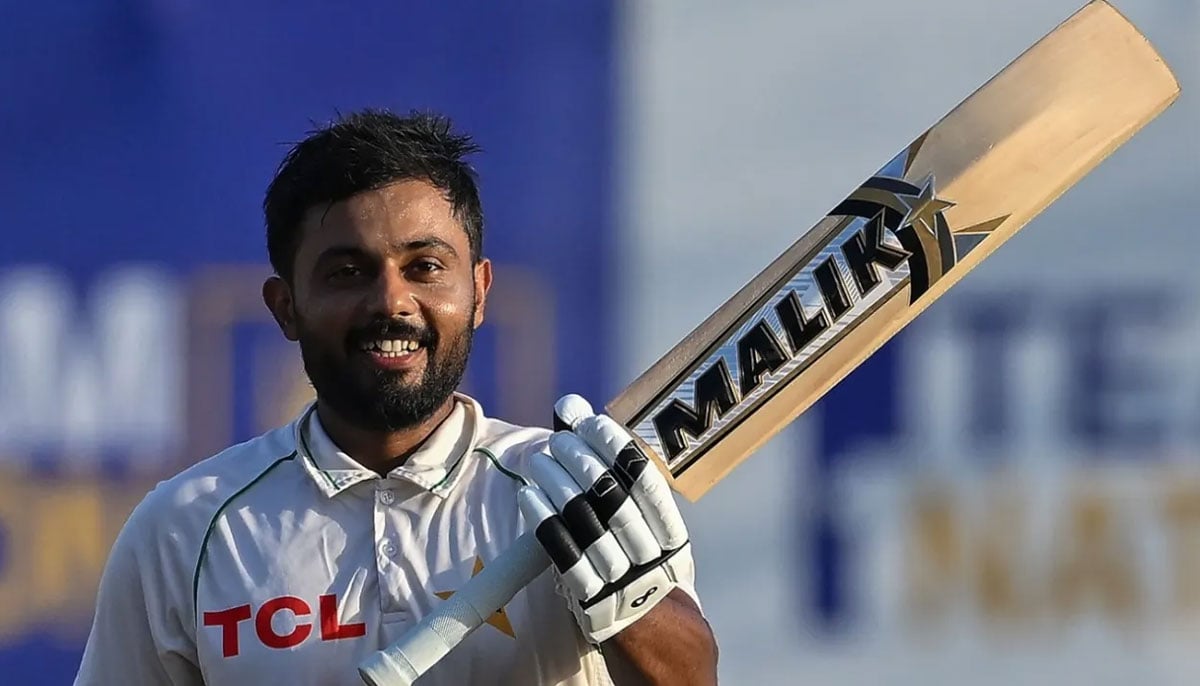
876	261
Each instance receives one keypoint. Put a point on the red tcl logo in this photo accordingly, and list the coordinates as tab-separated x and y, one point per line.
331	629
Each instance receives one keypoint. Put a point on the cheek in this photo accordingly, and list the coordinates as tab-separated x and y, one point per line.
322	319
450	318
451	314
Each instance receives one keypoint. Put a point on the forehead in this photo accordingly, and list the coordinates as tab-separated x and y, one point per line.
382	216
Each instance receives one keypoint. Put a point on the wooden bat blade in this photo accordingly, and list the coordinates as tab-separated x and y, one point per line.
895	245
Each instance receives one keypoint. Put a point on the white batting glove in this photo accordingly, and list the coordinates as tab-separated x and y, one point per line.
607	519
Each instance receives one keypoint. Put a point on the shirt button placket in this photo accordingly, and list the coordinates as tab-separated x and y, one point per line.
387	546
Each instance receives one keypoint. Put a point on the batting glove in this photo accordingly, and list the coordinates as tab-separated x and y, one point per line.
607	519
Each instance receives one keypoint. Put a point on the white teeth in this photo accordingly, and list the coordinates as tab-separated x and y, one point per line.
392	347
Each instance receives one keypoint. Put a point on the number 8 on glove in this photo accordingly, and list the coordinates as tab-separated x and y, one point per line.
607	519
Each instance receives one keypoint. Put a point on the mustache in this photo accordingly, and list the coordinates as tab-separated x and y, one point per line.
376	330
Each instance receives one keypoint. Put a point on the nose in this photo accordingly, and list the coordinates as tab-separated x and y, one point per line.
392	296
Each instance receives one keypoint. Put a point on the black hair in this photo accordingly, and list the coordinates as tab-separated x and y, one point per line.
363	151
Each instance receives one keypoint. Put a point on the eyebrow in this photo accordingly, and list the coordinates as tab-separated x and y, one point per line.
338	251
424	243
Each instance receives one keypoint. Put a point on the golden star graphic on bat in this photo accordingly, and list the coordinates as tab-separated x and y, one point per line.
498	619
923	207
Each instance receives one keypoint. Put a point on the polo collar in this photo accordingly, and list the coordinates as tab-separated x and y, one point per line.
434	466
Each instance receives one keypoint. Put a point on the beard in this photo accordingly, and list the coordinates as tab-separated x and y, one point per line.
376	399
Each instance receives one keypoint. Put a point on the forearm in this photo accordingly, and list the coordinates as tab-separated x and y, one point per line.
672	644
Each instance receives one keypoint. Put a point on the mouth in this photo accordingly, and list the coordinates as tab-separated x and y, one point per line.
393	353
391	347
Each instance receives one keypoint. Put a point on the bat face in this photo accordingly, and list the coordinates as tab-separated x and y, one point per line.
895	245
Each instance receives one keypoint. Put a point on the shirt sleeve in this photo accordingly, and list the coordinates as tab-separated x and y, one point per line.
135	638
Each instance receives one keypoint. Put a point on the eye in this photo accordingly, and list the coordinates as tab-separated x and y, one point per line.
346	272
427	266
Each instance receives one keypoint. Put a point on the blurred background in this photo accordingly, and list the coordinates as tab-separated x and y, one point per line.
1010	490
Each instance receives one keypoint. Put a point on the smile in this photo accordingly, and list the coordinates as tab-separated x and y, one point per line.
389	347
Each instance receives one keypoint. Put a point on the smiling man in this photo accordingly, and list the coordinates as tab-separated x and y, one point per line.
293	556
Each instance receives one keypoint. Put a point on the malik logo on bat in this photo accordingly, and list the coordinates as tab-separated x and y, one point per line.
839	284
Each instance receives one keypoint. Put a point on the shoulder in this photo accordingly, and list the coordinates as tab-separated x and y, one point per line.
178	511
155	554
505	446
508	445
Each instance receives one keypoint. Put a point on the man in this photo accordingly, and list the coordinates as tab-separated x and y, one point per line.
291	557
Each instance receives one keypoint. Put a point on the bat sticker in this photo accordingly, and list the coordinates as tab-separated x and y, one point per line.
890	234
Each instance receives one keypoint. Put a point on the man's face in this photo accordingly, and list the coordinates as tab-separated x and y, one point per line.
385	300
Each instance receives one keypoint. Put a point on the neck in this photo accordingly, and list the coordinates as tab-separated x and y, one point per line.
381	452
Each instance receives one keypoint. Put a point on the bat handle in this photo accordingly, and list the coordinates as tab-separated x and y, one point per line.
418	650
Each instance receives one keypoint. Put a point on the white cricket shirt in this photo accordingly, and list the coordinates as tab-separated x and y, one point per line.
283	561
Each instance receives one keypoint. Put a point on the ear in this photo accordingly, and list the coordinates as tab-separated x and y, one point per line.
483	284
277	295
